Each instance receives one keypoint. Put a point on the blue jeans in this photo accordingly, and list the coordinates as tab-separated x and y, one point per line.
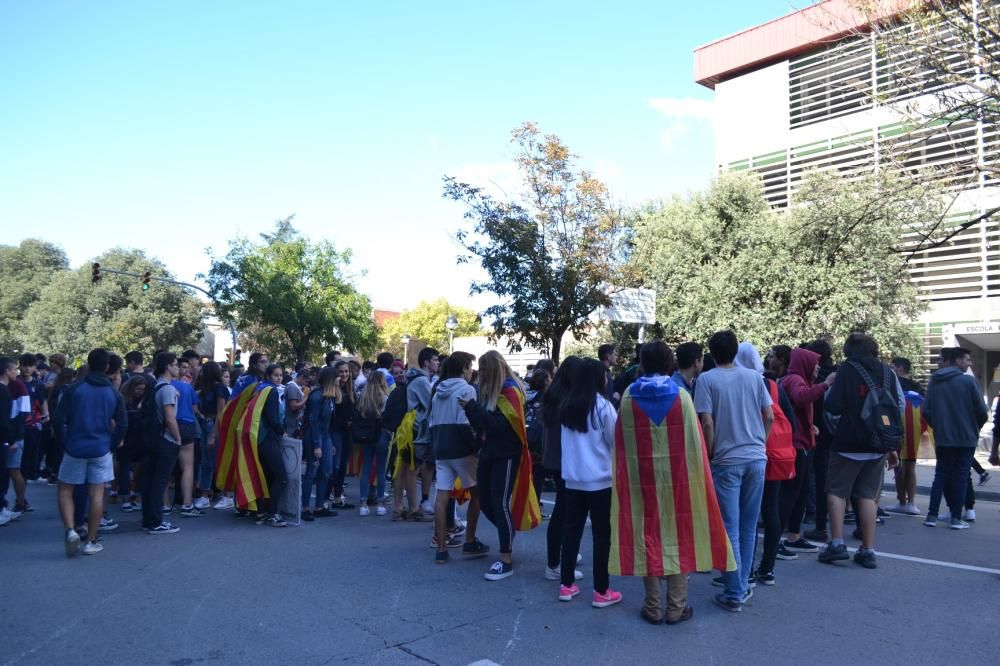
320	471
377	452
206	470
951	478
739	488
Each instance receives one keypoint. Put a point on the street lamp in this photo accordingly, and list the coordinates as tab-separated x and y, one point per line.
451	323
406	348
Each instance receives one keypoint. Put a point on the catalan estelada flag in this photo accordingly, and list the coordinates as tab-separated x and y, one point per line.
523	502
665	517
914	426
238	463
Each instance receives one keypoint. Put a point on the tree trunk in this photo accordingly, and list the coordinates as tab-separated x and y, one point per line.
556	347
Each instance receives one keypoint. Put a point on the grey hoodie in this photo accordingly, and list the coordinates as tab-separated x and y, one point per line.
954	408
450	432
418	397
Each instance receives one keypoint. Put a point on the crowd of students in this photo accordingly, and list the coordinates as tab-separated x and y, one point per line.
677	461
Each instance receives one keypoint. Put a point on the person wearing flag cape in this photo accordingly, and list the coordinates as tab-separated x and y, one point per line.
665	517
504	472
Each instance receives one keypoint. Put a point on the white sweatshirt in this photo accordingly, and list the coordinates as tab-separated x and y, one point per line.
586	456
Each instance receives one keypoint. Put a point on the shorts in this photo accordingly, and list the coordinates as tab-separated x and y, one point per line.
14	455
77	471
189	431
423	454
854	478
457	468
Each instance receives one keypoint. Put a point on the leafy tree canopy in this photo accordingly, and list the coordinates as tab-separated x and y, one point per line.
25	269
551	254
293	293
426	321
73	315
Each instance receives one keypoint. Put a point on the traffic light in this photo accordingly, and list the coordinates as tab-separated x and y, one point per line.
145	280
95	273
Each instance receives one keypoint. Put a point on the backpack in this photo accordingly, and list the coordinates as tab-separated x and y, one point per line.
365	429
880	412
152	429
780	450
534	426
395	408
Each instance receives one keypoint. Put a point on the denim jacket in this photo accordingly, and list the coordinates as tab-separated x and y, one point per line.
319	414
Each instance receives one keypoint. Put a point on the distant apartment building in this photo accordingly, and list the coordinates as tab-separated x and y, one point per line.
801	92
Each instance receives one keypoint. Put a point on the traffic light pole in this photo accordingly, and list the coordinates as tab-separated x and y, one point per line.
98	269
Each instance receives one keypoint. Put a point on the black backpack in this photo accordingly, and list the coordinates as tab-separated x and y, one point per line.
880	411
533	424
152	429
395	408
365	429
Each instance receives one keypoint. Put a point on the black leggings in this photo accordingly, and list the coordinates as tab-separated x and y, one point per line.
557	523
578	504
495	479
821	466
269	451
771	516
792	504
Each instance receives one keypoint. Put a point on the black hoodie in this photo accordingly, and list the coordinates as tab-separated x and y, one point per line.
845	399
955	408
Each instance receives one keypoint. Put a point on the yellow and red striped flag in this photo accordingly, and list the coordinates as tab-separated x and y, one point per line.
523	501
238	463
914	426
665	517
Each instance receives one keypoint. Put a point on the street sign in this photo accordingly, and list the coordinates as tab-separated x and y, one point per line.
633	306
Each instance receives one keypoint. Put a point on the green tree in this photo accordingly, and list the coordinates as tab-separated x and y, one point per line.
72	315
25	270
550	256
830	265
293	293
426	321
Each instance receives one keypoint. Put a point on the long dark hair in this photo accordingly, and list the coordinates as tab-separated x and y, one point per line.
211	374
578	405
558	389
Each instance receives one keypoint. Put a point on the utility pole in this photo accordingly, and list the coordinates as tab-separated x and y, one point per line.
97	270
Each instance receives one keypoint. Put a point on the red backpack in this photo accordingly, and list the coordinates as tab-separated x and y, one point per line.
780	451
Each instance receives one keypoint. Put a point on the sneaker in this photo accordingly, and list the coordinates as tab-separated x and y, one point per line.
749	596
897	508
983	478
342	503
730	605
567	593
275	521
224	503
499	570
261	518
92	548
719	581
764	578
191	511
450	542
865	558
164	528
817	535
930	521
441	557
912	510
579	558
609	598
555	573
24	507
10	515
166	509
72	543
832	553
380	510
800	545
4	519
879	520
427	507
880	512
959	524
364	511
456	531
474	549
202	503
107	525
308	516
130	507
325	513
784	553
969	515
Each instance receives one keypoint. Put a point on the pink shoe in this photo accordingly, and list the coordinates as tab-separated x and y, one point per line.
609	598
567	593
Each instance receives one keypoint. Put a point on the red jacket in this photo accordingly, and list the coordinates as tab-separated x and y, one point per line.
798	384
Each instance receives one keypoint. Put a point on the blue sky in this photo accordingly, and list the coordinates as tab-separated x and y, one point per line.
174	126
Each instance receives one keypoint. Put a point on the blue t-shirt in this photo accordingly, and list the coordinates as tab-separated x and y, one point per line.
186	400
209	401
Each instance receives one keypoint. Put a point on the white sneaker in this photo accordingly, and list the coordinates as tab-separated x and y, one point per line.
969	515
427	508
72	543
11	515
224	503
380	510
202	503
556	573
363	511
912	510
92	548
897	508
579	558
4	519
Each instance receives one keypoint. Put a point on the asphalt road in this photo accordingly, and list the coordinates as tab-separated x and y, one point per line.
366	591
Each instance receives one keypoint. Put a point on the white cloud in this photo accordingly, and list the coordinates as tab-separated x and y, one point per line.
683	108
